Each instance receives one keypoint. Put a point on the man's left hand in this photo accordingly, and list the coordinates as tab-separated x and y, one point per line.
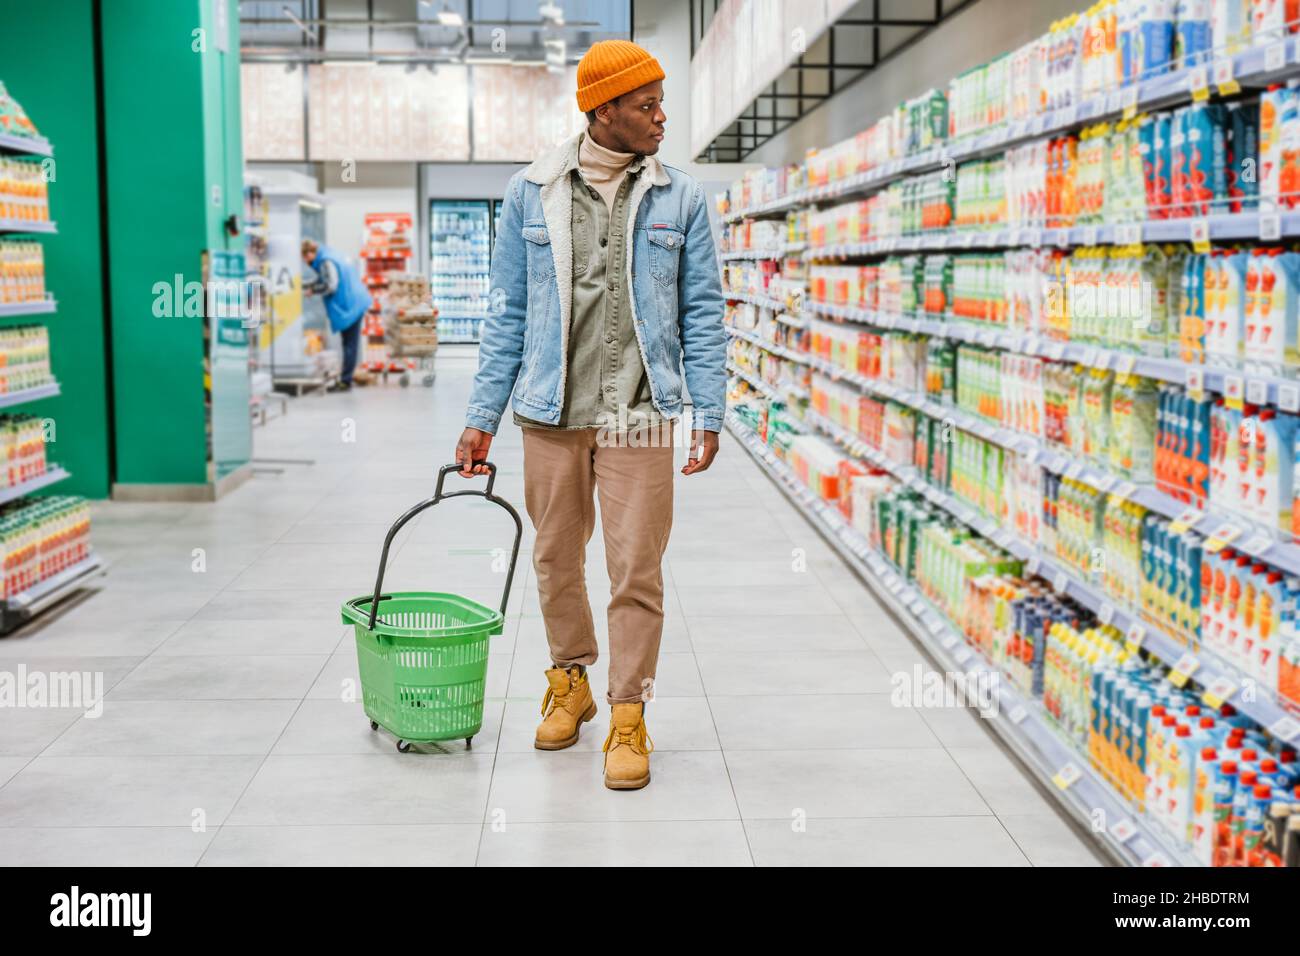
707	442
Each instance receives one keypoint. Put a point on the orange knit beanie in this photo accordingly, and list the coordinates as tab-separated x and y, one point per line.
612	68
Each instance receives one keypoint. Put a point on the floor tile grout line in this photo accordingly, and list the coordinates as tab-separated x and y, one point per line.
492	771
265	757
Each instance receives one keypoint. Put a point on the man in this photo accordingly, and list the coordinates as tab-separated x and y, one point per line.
346	302
604	287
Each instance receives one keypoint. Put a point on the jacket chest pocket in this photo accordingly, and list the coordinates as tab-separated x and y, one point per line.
665	251
541	261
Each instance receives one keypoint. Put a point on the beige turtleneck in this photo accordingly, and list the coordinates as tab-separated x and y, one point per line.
601	168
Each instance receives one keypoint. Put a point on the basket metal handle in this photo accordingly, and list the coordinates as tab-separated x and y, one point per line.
438	495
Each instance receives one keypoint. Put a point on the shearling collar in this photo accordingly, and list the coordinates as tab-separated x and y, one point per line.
564	157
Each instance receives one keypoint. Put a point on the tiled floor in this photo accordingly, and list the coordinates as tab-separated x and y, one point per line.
230	731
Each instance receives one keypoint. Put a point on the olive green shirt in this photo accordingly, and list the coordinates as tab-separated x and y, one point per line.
605	369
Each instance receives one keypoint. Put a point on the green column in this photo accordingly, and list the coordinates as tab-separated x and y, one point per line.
47	61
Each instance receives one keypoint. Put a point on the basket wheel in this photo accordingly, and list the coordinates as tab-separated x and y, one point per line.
403	747
374	725
469	743
405	380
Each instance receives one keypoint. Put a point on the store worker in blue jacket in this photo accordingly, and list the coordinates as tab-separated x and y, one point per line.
346	302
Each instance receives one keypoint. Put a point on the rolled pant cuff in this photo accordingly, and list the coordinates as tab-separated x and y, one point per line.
609	699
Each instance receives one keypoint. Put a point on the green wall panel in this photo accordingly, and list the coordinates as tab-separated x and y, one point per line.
47	62
157	227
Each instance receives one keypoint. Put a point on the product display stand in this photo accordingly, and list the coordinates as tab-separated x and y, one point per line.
1020	722
22	607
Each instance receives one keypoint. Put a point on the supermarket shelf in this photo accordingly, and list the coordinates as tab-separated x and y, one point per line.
26	145
746	336
23	607
53	473
1262	543
763	301
458	272
25	226
777	392
29	394
1205	668
458	339
1262	386
461	315
1215	227
40	307
753	254
1020	721
1254	67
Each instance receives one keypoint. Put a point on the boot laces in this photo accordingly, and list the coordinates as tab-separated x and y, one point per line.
564	700
638	738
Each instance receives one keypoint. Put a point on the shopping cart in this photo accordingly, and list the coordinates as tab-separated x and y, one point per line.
424	663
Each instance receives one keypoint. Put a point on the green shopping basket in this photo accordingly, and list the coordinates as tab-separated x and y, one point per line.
424	663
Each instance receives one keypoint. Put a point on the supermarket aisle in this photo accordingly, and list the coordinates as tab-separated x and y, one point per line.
229	732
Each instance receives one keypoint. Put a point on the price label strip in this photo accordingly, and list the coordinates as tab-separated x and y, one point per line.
1224	78
1187	666
1067	776
1133	639
1185	521
1219	692
1223	536
1285	729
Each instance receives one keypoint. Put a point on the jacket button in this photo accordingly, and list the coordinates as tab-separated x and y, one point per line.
604	241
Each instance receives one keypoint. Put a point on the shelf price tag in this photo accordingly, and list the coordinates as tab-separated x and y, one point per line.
1234	391
1128	234
948	641
1221	537
1270	226
962	655
1257	543
1133	639
1105	483
1129	101
1224	78
1284	729
1275	57
1074	471
1056	351
1017	714
1218	693
1126	490
1060	583
1195	380
1107	612
1067	776
1089	356
1257	391
1156	859
1089	235
1032	565
1124	364
1033	238
1199	232
1288	398
1198	82
1123	830
1183	670
935	626
1185	520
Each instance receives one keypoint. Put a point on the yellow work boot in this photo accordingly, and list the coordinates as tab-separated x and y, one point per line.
627	749
566	706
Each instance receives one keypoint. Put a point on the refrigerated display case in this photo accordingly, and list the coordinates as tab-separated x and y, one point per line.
460	244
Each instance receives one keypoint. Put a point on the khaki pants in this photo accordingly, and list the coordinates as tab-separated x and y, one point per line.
561	470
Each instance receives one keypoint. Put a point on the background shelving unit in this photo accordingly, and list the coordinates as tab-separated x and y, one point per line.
20	608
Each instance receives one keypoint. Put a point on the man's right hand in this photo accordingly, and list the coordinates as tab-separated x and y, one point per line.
472	447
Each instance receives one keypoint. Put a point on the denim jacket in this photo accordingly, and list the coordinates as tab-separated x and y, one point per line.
677	300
